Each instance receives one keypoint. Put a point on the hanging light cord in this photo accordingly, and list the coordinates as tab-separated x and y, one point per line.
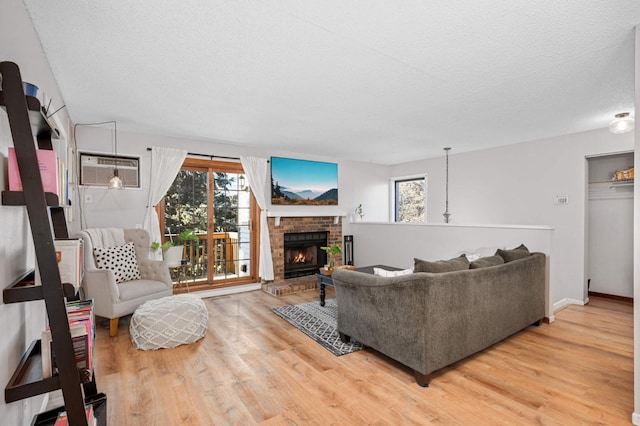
446	204
446	213
115	138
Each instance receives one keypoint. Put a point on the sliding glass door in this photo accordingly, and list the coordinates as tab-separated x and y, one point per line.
210	211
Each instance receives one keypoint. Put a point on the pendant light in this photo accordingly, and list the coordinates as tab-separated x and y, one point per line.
115	182
446	213
622	123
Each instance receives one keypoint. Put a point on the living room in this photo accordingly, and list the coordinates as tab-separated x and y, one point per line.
505	191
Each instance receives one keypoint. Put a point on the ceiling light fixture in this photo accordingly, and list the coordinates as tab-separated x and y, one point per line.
115	182
623	123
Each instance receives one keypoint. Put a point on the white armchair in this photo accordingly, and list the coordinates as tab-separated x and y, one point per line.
113	300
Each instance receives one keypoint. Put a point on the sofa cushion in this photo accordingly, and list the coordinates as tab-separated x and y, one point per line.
484	262
385	273
120	259
513	254
459	263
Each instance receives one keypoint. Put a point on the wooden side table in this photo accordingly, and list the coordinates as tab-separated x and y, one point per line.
181	274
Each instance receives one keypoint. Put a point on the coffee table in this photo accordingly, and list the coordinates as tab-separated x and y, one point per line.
326	280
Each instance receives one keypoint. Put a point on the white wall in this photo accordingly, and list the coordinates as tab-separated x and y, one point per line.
22	322
357	182
516	185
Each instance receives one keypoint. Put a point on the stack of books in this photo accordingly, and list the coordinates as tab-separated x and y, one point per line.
82	328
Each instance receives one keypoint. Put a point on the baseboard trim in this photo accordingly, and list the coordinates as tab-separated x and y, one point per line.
635	419
612	297
227	290
561	304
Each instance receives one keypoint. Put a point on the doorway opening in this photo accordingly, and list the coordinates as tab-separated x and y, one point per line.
609	233
210	212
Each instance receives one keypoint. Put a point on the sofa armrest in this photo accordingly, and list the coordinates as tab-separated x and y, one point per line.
156	270
388	314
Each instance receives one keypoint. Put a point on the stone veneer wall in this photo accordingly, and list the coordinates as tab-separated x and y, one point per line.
300	224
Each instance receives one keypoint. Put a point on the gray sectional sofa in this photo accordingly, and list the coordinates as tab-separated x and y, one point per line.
428	321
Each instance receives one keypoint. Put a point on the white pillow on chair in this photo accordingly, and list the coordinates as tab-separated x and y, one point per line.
120	259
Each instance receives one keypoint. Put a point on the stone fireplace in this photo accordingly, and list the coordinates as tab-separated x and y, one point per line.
302	233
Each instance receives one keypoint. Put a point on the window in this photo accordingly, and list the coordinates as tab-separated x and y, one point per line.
212	199
409	199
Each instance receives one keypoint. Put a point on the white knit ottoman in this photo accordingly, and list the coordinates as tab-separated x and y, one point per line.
169	322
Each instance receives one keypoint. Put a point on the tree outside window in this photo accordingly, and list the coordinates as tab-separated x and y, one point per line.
410	200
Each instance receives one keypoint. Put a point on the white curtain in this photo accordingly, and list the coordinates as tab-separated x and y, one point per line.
165	165
256	170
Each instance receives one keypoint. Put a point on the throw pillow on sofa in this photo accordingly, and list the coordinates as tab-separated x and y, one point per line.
513	254
484	262
385	273
456	264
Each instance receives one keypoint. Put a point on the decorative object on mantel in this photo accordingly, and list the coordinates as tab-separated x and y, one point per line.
622	123
446	213
359	213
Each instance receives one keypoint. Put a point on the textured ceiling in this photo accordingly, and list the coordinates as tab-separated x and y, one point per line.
369	80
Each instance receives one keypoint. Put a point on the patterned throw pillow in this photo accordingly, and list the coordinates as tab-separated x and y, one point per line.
121	260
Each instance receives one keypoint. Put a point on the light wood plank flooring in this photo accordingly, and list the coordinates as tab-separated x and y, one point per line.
254	368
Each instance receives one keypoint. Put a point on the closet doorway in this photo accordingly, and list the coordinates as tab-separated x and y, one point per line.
609	251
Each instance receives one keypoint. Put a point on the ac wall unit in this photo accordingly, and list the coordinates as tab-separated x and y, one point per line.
97	169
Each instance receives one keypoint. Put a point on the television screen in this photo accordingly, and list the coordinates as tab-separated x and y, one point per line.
303	182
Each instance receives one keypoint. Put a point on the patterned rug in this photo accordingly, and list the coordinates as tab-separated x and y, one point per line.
320	323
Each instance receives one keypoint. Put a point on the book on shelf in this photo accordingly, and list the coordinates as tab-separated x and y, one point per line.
70	258
62	419
69	253
82	329
49	171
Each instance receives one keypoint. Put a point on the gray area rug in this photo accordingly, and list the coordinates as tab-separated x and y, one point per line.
320	323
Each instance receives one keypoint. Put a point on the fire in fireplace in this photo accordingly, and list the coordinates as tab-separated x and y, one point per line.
302	254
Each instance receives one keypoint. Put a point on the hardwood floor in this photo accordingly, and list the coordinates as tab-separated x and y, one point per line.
252	367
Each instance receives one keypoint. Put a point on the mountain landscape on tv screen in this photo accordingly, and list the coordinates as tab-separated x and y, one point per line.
283	195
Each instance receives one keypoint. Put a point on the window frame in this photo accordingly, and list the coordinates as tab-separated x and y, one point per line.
393	196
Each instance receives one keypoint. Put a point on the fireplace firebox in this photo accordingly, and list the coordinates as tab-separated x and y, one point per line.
302	253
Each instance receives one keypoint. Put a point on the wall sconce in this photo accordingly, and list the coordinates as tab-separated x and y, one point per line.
622	123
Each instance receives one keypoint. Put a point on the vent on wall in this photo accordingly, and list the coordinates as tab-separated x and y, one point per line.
97	169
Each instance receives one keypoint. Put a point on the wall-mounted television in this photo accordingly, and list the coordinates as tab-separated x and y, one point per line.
303	182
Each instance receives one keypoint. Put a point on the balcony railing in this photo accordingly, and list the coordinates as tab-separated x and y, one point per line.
224	252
